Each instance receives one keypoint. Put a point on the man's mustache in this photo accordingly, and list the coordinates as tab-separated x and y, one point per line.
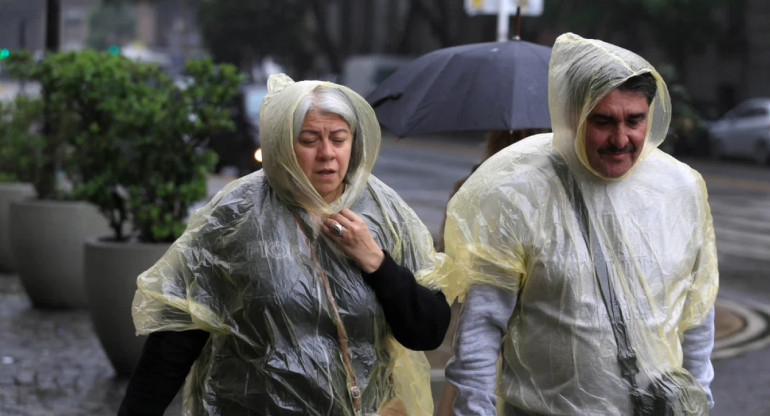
615	150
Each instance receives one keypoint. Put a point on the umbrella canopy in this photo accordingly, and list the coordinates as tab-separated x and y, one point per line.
479	86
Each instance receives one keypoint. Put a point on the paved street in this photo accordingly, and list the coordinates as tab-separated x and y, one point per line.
739	195
51	362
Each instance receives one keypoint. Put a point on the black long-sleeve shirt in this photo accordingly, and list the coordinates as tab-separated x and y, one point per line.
418	318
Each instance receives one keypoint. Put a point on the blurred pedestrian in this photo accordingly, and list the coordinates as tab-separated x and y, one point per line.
300	289
589	256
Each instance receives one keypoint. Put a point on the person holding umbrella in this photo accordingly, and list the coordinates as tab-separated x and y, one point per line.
304	288
588	256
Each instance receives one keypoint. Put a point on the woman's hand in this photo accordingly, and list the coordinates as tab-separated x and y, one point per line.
355	240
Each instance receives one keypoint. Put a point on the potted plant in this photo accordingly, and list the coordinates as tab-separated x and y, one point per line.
143	163
19	142
47	232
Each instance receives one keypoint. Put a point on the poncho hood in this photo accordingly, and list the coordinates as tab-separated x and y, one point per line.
276	115
581	72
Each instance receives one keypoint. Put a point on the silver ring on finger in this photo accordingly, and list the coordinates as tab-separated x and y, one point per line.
337	229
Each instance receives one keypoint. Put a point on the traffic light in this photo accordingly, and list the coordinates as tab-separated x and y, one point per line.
4	53
113	50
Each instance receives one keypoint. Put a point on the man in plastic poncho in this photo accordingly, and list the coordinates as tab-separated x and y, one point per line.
534	301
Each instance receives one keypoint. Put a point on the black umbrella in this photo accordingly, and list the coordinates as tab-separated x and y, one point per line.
479	86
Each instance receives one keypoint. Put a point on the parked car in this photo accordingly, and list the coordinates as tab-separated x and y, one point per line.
743	132
252	99
239	150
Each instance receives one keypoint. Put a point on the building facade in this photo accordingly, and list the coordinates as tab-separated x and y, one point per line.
22	24
726	73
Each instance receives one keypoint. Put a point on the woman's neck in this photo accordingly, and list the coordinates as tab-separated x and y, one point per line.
335	195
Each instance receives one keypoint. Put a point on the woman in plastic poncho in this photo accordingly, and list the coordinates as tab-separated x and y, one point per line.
296	289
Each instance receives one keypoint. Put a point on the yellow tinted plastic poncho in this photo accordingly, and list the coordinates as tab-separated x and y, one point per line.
244	271
513	226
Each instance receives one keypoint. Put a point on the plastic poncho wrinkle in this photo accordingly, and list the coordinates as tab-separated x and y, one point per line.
512	225
244	271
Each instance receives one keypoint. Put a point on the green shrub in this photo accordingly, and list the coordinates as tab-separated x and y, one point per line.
129	139
46	125
20	139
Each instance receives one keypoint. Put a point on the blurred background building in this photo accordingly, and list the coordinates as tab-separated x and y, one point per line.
22	24
718	51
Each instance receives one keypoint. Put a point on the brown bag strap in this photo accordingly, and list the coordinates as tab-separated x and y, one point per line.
355	391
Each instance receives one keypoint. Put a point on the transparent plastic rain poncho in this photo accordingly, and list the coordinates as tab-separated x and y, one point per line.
512	226
243	271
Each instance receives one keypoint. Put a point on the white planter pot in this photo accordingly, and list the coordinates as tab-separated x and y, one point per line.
10	192
111	270
47	239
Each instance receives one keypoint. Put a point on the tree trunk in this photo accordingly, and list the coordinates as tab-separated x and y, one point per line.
324	38
52	27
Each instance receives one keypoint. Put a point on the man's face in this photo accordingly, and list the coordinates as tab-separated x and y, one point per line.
615	131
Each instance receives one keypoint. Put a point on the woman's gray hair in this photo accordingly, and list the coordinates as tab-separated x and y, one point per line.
332	100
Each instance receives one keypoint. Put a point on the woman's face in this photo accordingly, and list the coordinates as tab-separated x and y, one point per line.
323	151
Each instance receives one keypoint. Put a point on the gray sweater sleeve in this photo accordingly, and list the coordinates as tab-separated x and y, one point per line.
696	350
473	368
477	341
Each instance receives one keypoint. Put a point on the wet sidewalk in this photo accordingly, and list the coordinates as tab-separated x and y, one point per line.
51	362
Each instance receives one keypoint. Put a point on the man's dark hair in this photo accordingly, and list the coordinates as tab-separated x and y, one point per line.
643	84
